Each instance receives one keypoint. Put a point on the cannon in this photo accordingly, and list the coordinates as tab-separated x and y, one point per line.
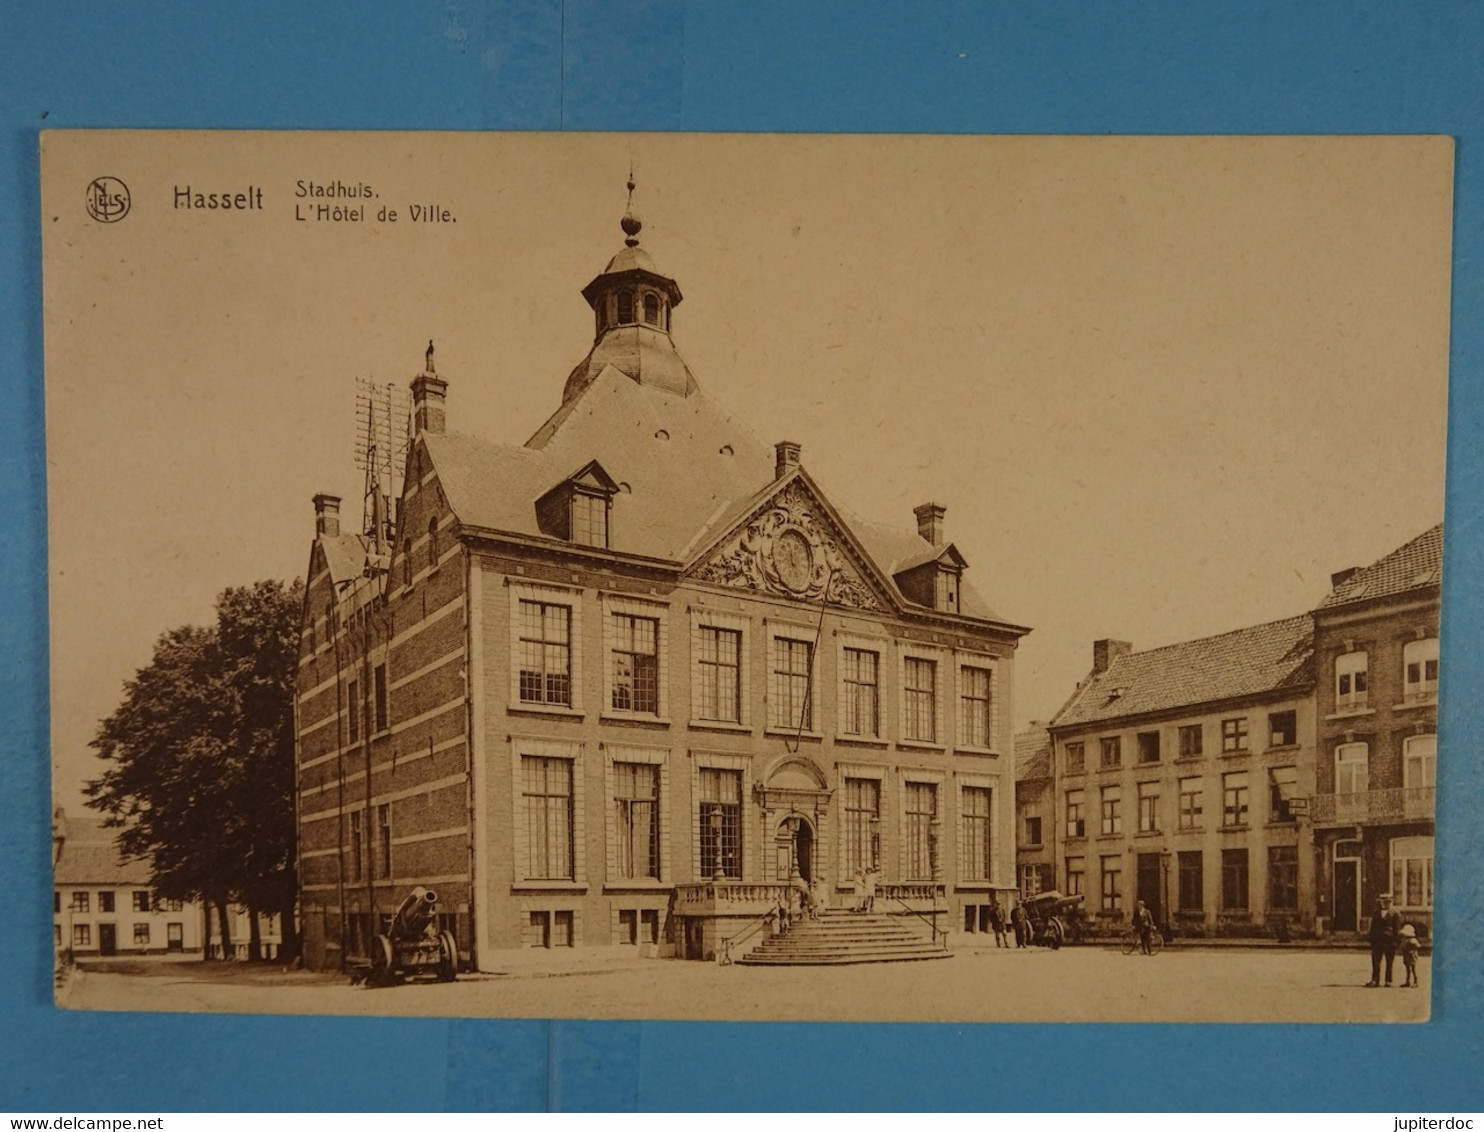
413	947
1055	919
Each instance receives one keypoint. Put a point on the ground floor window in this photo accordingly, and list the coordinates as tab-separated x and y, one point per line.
1283	878
1112	892
1190	868
862	824
638	925
1234	880
548	806
141	933
550	929
1411	872
977	841
922	809
82	935
1076	873
721	823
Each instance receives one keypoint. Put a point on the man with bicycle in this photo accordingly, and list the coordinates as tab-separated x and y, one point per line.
1144	925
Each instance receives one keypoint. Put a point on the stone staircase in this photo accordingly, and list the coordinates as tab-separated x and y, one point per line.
839	937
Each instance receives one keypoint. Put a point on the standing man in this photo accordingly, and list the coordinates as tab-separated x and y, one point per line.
1018	923
1143	924
1386	927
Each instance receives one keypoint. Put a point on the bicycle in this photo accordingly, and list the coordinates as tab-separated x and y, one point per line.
1131	941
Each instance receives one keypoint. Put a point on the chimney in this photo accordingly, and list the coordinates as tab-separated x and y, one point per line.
327	514
930	522
1105	652
428	390
1340	577
786	458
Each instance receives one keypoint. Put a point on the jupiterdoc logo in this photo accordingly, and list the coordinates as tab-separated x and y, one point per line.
107	200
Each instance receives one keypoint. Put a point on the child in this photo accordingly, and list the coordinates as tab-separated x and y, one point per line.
1409	947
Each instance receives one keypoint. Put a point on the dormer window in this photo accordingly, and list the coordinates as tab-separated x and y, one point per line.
625	306
945	591
936	581
577	509
651	308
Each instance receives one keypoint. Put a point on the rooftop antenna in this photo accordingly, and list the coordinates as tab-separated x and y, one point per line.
381	449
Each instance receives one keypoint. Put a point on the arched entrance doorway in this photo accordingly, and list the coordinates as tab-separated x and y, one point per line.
795	848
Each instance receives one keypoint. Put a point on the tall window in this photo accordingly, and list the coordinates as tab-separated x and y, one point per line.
1112	799
1420	762
139	900
791	705
1282	728
625	306
589	519
1283	878
1111	751
922	808
721	823
1192	738
721	668
1420	669
1112	890
921	700
651	308
1191	882
1076	817
636	666
945	591
407	562
1148	807
357	846
1350	681
1411	871
384	840
636	803
1190	803
1352	768
1234	880
1033	829
1076	875
1234	798
862	818
1233	735
545	653
862	693
1076	758
379	688
105	902
548	803
353	702
1282	786
1148	746
976	708
433	542
975	819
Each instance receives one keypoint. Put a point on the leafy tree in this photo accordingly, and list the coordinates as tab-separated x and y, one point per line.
200	754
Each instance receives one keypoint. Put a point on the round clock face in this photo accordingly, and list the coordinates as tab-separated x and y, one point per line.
795	560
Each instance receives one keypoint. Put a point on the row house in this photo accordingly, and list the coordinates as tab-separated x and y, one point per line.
1376	646
1180	776
623	684
1035	811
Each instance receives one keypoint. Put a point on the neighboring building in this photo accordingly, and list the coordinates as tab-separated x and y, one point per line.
103	906
1173	772
1035	812
1376	645
616	685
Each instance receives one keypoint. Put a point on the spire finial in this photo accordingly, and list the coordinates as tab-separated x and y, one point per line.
630	223
430	357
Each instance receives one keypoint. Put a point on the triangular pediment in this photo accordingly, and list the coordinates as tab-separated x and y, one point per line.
792	543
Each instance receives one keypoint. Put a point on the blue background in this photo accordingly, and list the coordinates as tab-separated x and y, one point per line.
1028	67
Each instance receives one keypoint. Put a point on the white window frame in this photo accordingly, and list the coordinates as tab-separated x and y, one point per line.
1426	755
1143	796
613	605
985	663
879	775
1363	760
1081	792
800	633
906	652
935	826
1350	664
549	595
1419	652
651	756
1106	794
878	646
703	618
1197	819
1403	851
521	747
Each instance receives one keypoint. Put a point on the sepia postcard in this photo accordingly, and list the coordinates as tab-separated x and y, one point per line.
746	577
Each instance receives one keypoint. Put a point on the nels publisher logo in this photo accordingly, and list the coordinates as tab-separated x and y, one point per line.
108	200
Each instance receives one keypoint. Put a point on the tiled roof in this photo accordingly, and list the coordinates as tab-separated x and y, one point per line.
1417	565
1033	754
1247	662
90	855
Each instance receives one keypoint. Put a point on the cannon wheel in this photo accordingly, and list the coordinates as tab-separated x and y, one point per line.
383	971
448	964
1054	934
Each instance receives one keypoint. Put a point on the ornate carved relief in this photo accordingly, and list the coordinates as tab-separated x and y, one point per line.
790	548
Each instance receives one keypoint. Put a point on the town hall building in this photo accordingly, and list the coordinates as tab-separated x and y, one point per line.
625	683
